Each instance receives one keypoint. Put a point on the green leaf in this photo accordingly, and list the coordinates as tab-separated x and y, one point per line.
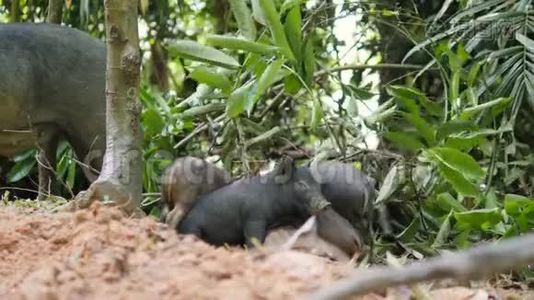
309	62
469	112
478	219
409	233
292	84
289	4
515	205
454	88
458	161
275	26
317	114
293	27
257	13
525	41
444	232
425	129
410	94
404	140
211	78
361	94
447	202
454	126
266	80
237	101
235	43
242	14
457	180
20	170
390	185
195	51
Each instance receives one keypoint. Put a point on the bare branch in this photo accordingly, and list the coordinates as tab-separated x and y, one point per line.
474	263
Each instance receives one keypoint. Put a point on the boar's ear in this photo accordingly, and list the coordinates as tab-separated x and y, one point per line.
283	171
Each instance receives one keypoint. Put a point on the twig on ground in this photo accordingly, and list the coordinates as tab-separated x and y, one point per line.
474	263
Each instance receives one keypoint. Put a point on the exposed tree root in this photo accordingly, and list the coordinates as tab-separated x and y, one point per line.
474	263
108	192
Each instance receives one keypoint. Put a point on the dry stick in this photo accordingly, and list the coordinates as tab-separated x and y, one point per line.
474	263
197	131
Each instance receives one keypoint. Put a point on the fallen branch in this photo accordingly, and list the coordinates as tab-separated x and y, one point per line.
474	263
196	131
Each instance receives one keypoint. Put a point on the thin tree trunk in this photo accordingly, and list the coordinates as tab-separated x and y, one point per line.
122	161
120	180
15	11
55	11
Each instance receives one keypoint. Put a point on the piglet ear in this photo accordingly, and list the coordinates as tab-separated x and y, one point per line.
283	171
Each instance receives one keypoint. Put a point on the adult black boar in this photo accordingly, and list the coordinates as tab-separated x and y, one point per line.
52	87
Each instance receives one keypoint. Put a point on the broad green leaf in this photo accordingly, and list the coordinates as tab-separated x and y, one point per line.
317	114
447	202
458	161
458	181
71	174
235	43
255	64
153	122
404	99
409	233
444	232
211	78
292	84
309	62
454	126
390	185
406	93
454	88
195	51
237	101
521	209
257	13
423	127
361	94
242	14
293	27
266	80
275	26
20	170
404	140
29	154
478	219
289	4
472	76
469	112
516	205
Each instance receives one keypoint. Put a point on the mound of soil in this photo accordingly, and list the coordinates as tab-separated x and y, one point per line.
100	254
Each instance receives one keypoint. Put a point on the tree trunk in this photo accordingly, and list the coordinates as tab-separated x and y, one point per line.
120	180
15	11
55	11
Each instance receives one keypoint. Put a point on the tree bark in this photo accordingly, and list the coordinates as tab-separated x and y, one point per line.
55	11
120	180
14	14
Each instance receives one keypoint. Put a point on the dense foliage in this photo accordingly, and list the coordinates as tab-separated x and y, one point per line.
434	100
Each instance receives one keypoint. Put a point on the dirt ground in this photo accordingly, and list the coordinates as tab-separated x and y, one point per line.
100	254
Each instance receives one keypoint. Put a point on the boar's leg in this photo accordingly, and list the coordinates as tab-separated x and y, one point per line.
255	229
47	142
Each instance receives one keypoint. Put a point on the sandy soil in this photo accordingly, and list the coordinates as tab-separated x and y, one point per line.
100	254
